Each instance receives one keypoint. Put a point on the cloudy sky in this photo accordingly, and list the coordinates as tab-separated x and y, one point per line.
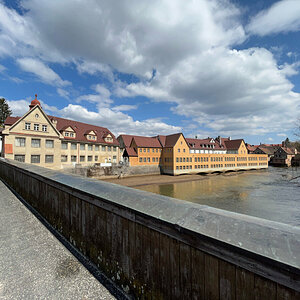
203	67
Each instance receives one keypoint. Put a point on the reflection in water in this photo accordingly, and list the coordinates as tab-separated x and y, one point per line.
272	194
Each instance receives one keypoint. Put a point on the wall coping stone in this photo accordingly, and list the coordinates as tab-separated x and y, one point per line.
274	242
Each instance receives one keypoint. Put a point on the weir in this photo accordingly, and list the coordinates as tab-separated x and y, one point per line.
163	248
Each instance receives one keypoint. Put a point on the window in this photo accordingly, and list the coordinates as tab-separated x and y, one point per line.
73	158
64	158
114	148
48	158
140	159
35	159
141	150
153	159
90	158
35	143
64	145
156	159
108	148
44	128
178	150
144	149
73	146
148	159
27	126
20	142
90	147
20	157
66	133
153	150
183	150
49	144
36	127
145	159
96	157
177	159
82	146
71	134
103	148
96	148
82	158
148	149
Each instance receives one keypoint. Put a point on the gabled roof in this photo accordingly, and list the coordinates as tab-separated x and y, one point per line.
233	144
169	140
287	150
251	148
131	152
79	128
268	149
147	142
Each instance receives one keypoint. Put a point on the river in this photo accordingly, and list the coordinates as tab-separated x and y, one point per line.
272	194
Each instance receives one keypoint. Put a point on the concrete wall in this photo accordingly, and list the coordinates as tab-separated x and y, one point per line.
157	247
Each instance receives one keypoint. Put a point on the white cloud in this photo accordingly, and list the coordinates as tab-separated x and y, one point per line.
42	71
179	52
282	16
18	107
270	139
281	134
124	107
63	93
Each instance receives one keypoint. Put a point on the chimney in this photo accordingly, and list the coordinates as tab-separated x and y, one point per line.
229	138
283	144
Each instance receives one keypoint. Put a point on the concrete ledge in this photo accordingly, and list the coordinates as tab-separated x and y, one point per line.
265	248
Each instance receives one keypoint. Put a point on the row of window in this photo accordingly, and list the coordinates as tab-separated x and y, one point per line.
201	166
263	158
148	159
36	159
148	150
184	167
184	159
241	158
36	127
216	166
252	164
263	164
242	165
36	143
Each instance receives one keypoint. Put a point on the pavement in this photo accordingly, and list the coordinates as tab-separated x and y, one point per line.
34	264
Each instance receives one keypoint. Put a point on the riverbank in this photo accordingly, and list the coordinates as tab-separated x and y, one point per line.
137	181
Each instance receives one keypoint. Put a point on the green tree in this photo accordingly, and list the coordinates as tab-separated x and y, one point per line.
5	111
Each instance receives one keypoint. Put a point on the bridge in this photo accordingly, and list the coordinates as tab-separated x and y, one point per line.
155	247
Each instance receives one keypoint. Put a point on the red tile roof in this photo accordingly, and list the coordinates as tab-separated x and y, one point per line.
169	140
79	128
131	152
233	144
126	139
288	150
11	120
147	142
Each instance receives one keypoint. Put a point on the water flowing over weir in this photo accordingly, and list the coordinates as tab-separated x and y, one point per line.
160	247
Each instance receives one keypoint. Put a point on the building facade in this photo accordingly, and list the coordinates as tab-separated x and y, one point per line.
176	154
55	142
283	156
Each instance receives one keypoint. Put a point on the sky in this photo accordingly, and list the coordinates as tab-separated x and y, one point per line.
201	67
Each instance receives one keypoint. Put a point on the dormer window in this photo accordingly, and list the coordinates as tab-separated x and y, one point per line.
108	138
68	131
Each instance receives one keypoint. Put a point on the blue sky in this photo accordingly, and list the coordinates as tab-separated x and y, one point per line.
203	67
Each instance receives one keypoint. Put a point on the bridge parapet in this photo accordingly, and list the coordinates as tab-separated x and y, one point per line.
160	247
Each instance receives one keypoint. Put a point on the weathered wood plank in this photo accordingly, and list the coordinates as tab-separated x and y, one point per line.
227	280
198	270
155	261
185	271
212	289
174	269
244	284
285	293
264	288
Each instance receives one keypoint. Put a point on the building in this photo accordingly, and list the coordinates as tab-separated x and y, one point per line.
283	156
176	154
55	142
268	150
140	150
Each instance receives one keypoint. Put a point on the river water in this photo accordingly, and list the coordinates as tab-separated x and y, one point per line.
272	194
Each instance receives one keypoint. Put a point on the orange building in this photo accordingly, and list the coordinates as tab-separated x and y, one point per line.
179	155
